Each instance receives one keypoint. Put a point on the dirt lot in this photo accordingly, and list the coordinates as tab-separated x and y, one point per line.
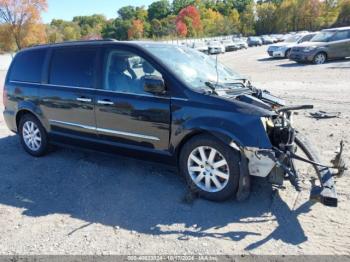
73	202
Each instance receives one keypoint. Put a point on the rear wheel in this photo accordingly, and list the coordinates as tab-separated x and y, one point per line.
33	136
211	168
320	58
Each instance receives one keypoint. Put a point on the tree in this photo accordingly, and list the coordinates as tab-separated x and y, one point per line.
188	21
127	12
90	25
117	29
247	20
213	22
136	30
159	10
23	20
265	23
178	5
344	14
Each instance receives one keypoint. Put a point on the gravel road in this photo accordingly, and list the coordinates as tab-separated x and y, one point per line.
74	202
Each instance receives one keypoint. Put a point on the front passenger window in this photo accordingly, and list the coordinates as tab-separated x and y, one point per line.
126	72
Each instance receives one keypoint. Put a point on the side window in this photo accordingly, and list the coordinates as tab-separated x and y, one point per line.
126	72
341	35
28	66
72	67
306	38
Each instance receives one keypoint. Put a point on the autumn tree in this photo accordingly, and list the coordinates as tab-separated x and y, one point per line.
136	30
23	20
344	14
247	20
266	15
188	22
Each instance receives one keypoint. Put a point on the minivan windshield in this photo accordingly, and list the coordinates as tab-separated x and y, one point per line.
192	66
322	36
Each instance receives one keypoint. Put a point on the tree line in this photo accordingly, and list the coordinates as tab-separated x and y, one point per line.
21	26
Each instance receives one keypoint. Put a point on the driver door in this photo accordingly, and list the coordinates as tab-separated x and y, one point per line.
125	113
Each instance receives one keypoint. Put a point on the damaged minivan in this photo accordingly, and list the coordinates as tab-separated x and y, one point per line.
152	99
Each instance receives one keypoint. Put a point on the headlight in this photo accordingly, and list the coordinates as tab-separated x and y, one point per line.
309	48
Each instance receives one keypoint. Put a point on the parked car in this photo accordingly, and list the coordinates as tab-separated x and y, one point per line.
326	45
282	50
267	40
230	45
215	47
181	106
254	41
200	46
242	44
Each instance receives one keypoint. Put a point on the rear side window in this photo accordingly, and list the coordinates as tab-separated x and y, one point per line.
340	35
28	66
72	67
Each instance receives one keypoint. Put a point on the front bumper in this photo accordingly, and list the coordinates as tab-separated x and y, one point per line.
278	53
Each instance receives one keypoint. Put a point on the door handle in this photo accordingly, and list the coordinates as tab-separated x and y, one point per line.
84	99
105	102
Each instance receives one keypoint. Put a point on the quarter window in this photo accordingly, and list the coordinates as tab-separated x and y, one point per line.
72	67
126	72
28	66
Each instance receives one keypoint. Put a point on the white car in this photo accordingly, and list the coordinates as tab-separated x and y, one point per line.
215	47
283	49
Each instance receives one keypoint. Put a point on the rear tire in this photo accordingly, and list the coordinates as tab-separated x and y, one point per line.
33	136
210	167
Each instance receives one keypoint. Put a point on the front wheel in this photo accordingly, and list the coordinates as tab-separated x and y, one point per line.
33	136
320	58
211	168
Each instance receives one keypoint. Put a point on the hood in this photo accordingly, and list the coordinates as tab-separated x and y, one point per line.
284	44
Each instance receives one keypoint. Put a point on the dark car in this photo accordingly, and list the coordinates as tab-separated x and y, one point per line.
326	45
155	101
254	41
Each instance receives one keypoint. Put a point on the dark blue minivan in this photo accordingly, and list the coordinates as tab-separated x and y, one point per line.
152	99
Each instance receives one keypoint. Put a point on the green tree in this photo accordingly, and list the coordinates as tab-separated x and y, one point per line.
117	29
266	13
127	12
247	20
159	10
344	14
181	4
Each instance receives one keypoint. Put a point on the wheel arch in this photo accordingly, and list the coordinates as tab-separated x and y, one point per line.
29	108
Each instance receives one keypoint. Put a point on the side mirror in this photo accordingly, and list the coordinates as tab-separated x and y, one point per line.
154	85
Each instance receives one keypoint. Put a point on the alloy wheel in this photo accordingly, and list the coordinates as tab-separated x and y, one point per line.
208	169
31	135
320	59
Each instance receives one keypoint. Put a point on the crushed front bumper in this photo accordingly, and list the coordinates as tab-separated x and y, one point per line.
269	162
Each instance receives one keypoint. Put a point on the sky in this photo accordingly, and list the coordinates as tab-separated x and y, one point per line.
67	9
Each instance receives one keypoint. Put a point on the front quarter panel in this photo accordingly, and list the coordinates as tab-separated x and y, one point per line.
190	117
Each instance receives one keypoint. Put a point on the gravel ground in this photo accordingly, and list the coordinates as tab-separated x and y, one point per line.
74	202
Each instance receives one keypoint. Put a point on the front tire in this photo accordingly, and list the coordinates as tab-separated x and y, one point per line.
33	136
320	59
211	168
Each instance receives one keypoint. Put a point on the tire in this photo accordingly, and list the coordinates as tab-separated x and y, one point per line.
33	136
287	54
319	59
226	175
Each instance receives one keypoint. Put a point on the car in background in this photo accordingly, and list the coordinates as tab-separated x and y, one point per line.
240	42
282	50
215	47
254	41
200	46
267	40
326	45
230	45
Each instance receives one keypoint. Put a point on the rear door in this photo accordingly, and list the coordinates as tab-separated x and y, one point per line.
67	97
125	113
